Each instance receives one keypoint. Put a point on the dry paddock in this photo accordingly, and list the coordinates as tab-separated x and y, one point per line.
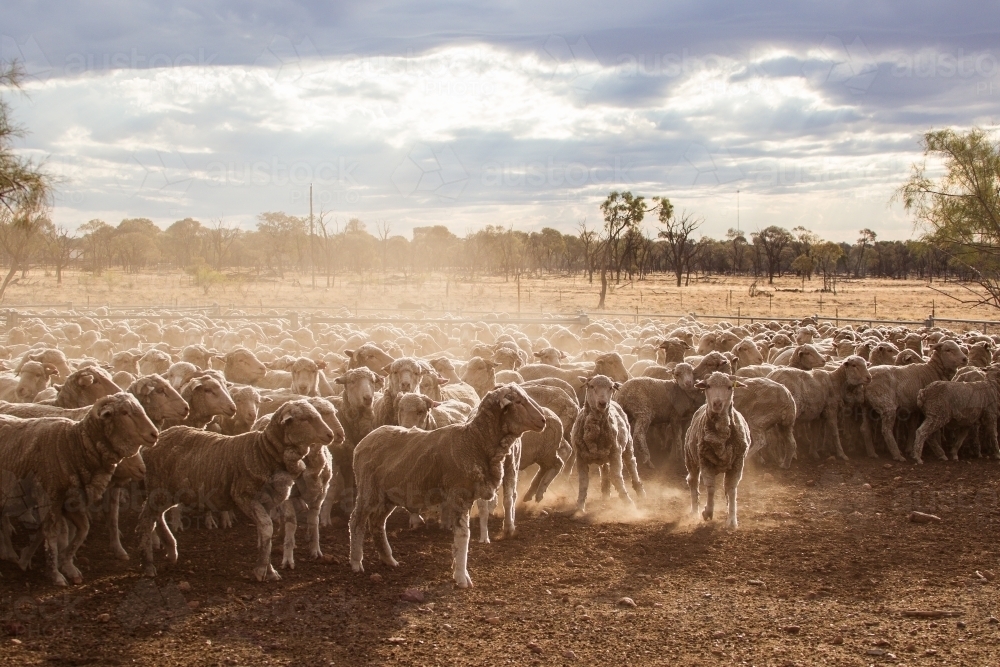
822	570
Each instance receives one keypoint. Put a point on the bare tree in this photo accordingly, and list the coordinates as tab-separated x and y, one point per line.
221	238
19	229
681	248
382	226
588	237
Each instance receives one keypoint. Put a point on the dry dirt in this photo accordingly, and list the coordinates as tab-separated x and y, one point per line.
721	295
821	571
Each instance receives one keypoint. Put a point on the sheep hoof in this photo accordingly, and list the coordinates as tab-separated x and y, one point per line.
210	522
484	539
706	515
357	567
120	554
59	580
917	460
842	457
900	458
149	571
732	524
315	554
463	581
288	563
272	574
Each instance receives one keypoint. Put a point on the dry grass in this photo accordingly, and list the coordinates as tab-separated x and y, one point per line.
894	299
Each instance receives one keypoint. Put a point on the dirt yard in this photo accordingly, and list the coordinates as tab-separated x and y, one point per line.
822	570
720	295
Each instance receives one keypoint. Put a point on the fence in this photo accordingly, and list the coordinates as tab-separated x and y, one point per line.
13	316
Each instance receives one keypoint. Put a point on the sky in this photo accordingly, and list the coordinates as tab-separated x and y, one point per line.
516	114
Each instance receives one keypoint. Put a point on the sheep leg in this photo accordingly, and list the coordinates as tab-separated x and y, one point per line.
866	434
618	480
693	480
210	523
888	433
115	494
51	529
930	427
510	473
175	519
6	548
263	571
28	552
291	524
633	472
382	543
989	428
484	510
956	444
460	550
540	483
583	471
81	521
146	527
833	430
605	481
639	428
312	527
356	527
709	510
935	443
732	480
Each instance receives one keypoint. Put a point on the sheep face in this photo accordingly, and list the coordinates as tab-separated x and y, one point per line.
127	361
521	413
247	401
857	372
707	343
718	388
328	413
480	373
305	375
368	355
54	358
684	376
674	349
297	426
87	385
210	396
748	354
883	354
507	359
949	354
412	410
131	468
160	400
611	364
806	357
550	356
180	373
199	355
907	357
600	390
243	367
125	425
359	386
153	362
713	362
33	378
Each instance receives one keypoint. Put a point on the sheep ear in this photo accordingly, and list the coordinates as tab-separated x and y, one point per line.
583	379
349	353
287	418
562	355
618	385
107	412
504	401
57	387
441	381
85	380
340	380
701	384
266	399
321	365
737	384
538	354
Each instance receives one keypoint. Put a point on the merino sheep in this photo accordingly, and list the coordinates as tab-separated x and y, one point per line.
895	388
647	401
53	357
819	394
716	442
601	436
66	466
442	388
207	397
423	412
966	405
84	387
30	380
247	401
480	374
368	355
452	466
233	471
770	412
310	489
402	375
243	367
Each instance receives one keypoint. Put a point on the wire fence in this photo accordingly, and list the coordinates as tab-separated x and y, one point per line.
305	316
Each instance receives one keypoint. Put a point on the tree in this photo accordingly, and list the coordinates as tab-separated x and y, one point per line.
97	236
622	211
588	238
804	266
58	246
960	211
866	239
738	242
221	237
772	241
827	254
19	229
681	248
23	185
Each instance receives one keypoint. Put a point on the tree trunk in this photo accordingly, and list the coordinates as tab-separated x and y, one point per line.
6	281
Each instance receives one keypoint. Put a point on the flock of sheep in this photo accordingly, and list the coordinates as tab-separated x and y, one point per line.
202	419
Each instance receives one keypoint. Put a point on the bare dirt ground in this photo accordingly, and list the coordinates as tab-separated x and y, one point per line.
722	295
821	571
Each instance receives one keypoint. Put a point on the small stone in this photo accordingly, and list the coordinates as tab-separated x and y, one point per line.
610	560
866	486
194	604
16	642
447	626
810	482
103	618
627	602
993	620
718	634
837	641
730	579
875	651
791	629
929	652
569	563
569	655
757	582
921	517
887	466
396	641
534	648
376	578
493	620
657	604
412	595
184	586
881	642
960	625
